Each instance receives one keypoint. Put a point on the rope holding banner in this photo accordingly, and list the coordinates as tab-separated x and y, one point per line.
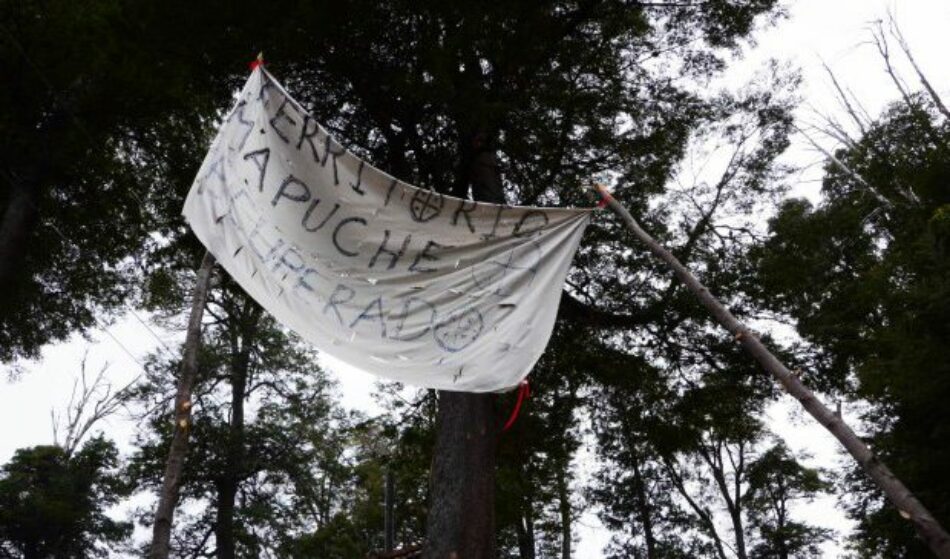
524	390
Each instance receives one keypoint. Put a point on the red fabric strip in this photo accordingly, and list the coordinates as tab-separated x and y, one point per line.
523	392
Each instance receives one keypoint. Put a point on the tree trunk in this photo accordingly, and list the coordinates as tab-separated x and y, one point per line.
643	505
907	504
738	528
564	507
224	517
243	325
19	219
713	458
171	483
27	184
525	532
227	486
461	517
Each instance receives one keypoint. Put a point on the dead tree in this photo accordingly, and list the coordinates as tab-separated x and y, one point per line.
929	530
171	483
90	401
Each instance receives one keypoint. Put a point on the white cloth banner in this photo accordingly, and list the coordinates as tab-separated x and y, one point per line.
398	281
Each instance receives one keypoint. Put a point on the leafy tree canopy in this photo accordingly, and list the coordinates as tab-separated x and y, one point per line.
54	505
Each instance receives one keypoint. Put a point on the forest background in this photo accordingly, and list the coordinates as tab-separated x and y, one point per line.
842	36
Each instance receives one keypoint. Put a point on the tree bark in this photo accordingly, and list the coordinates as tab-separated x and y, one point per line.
27	185
461	517
525	531
713	458
171	483
564	508
227	486
646	517
19	219
929	530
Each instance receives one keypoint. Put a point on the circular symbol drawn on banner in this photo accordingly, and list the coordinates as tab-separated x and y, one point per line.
425	205
459	330
501	273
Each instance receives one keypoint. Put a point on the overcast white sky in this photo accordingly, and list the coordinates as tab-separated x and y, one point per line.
836	31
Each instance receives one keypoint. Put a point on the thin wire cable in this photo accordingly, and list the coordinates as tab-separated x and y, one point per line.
163	345
101	325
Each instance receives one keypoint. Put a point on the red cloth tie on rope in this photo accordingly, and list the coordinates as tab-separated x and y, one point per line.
523	392
605	196
259	61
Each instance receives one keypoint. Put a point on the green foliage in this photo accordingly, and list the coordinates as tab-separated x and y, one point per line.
267	442
77	200
400	445
563	92
867	284
54	505
536	507
776	480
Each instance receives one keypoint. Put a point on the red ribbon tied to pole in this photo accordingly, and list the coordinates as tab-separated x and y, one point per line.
259	61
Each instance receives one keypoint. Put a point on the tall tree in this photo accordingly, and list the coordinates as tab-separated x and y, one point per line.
776	481
75	210
864	275
53	504
537	506
263	449
677	409
432	91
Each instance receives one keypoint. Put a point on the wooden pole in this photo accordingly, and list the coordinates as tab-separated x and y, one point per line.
929	530
168	499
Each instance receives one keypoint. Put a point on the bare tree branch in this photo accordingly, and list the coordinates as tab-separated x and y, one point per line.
902	43
89	403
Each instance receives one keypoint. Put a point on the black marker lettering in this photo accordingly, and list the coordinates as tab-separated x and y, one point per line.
367	315
395	255
328	147
425	255
313	206
333	301
398	335
336	233
295	264
425	205
306	134
359	179
260	158
267	84
302	194
255	233
464	210
389	193
216	169
281	114
239	113
273	251
302	282
459	330
520	231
